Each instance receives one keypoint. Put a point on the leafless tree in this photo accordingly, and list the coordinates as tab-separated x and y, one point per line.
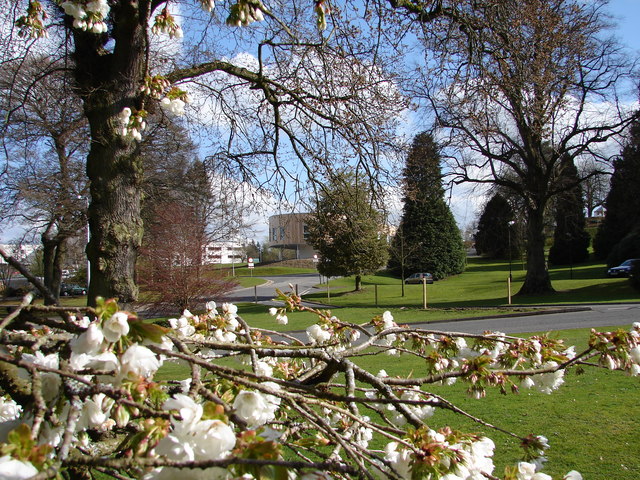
519	86
171	267
45	142
280	89
595	186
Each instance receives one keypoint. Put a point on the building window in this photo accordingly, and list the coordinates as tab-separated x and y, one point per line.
281	233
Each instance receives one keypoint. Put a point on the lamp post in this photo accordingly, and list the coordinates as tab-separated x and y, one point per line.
509	225
88	235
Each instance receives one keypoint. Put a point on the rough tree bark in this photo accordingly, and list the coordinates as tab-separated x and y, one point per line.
107	83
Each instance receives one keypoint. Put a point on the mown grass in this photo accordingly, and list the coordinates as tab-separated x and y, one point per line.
591	421
484	283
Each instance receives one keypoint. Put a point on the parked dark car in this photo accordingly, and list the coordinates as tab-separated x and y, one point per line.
417	278
68	290
624	268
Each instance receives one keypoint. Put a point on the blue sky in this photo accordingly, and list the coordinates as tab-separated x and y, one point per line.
627	15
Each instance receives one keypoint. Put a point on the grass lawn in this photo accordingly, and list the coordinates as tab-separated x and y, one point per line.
591	422
484	283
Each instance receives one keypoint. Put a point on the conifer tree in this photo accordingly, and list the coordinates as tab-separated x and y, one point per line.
623	202
427	225
497	230
570	239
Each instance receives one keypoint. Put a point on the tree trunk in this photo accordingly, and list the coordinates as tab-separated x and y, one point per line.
537	279
107	83
358	286
114	222
54	250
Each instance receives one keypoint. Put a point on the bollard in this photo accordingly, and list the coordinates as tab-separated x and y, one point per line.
424	293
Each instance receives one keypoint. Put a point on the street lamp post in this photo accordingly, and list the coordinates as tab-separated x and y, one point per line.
509	225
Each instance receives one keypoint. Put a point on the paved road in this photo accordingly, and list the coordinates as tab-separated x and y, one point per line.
594	316
266	292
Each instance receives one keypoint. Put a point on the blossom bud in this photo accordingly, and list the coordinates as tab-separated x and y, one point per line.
122	416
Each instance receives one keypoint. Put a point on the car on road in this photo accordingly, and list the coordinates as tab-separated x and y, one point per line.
624	268
69	289
417	278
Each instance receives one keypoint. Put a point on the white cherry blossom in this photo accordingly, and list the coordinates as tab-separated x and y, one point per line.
13	469
139	360
116	326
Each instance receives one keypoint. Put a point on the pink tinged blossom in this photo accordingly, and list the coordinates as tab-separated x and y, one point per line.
98	6
73	9
229	309
354	335
116	326
12	469
527	383
207	5
140	361
174	106
548	382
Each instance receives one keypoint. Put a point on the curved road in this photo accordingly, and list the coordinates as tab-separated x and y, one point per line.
601	315
303	283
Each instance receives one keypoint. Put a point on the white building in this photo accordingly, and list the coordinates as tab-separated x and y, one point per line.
223	252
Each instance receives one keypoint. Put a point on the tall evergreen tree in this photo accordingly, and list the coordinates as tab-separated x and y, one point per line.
623	202
427	225
497	230
345	227
570	239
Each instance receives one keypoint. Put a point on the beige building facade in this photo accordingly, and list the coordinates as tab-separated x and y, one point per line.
290	231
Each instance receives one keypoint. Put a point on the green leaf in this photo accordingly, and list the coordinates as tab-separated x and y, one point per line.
140	330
